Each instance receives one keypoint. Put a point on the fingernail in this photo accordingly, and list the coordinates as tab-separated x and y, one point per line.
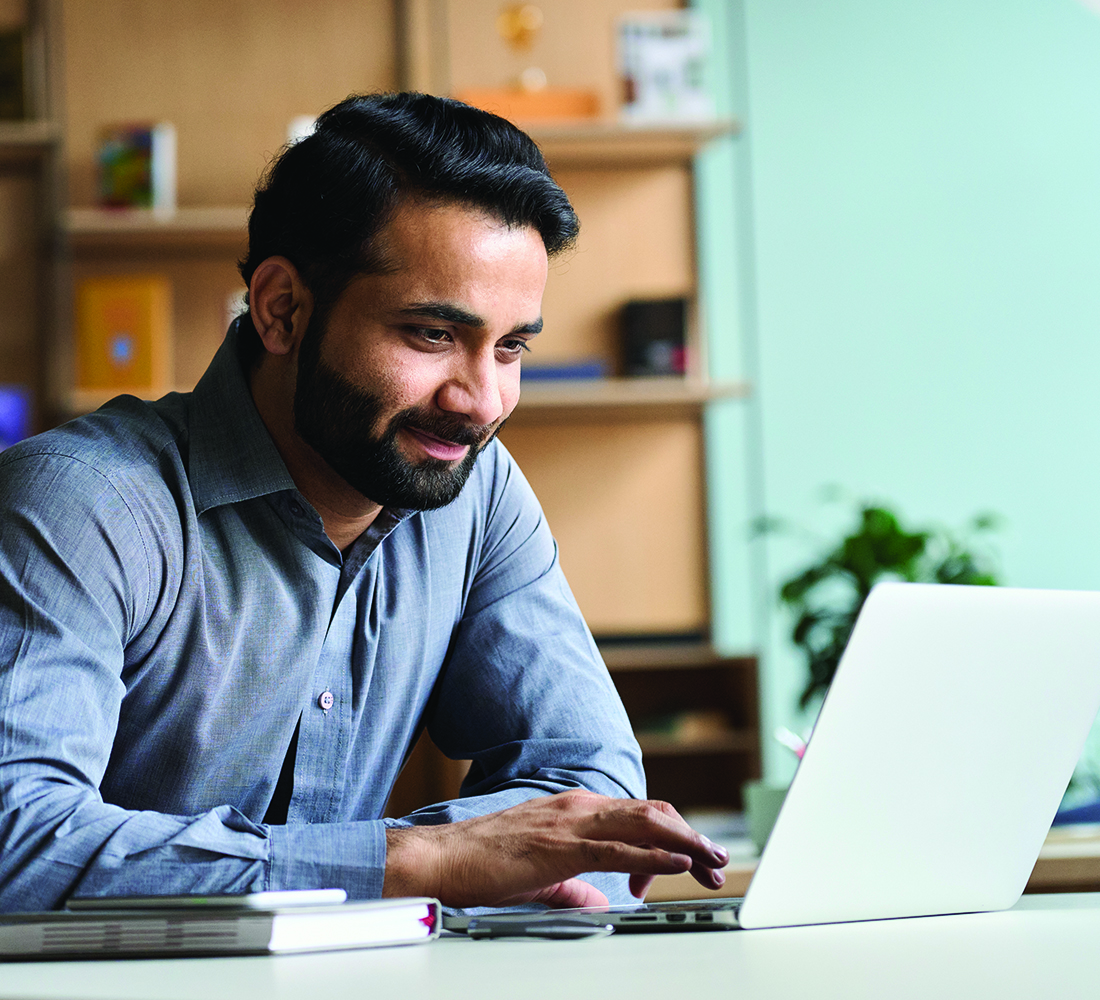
717	850
719	877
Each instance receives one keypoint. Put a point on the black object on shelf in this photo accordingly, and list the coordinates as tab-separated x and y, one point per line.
12	103
653	337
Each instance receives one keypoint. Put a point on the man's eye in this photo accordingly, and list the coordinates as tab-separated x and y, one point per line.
513	347
432	335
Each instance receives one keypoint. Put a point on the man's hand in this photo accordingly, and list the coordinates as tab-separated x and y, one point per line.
533	851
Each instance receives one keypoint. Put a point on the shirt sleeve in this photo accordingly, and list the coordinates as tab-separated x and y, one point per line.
76	585
524	693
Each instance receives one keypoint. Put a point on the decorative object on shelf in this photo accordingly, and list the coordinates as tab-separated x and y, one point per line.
123	333
15	414
529	98
653	337
12	102
827	596
518	105
586	368
137	166
518	24
663	65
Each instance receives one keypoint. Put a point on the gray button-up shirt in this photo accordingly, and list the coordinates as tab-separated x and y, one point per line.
170	607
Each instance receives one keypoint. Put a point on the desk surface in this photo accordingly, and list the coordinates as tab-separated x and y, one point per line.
1045	946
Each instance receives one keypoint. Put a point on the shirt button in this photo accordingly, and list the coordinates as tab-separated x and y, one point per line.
326	700
296	509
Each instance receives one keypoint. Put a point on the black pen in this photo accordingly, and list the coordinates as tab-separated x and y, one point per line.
565	928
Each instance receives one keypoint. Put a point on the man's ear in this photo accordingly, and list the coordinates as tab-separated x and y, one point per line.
280	303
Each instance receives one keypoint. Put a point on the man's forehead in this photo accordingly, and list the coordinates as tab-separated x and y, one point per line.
416	221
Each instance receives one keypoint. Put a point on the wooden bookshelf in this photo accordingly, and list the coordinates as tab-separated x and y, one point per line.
696	768
593	452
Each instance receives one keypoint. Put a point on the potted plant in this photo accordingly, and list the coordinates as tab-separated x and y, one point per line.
825	598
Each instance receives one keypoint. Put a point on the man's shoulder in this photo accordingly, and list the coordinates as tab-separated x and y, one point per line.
127	441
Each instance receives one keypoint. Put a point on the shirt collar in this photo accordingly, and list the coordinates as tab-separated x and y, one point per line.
232	456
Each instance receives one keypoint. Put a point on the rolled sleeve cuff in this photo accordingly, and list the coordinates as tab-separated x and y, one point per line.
348	856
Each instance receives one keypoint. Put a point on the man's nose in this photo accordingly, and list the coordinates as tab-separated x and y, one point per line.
473	390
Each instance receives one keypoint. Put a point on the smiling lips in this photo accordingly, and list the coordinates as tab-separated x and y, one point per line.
437	447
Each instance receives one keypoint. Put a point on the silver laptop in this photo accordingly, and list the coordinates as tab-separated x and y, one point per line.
936	765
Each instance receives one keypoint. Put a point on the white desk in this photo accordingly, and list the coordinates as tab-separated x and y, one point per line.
1045	947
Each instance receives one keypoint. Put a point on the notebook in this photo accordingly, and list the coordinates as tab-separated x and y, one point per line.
935	768
256	924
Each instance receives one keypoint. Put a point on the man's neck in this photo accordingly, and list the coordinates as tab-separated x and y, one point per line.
345	512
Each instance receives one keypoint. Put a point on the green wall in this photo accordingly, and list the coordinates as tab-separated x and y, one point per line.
912	278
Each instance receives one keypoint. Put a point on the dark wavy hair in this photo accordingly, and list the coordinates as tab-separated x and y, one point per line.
324	200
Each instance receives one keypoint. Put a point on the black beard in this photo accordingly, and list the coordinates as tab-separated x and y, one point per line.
337	420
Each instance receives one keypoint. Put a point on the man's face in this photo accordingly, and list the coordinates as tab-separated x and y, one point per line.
416	369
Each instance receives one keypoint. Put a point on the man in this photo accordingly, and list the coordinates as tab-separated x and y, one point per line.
226	616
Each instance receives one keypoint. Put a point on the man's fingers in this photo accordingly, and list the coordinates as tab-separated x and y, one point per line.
639	885
655	824
708	878
617	856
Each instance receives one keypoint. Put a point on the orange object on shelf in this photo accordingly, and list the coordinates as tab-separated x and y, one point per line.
549	104
123	333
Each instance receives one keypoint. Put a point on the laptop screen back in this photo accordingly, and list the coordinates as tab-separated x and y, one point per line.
939	757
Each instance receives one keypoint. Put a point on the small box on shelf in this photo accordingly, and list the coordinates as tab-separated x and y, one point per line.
136	164
663	65
123	333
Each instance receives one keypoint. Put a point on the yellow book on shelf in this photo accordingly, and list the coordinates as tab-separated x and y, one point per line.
123	333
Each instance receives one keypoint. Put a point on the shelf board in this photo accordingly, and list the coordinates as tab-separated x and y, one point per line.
620	398
630	657
633	399
104	228
616	144
26	141
731	741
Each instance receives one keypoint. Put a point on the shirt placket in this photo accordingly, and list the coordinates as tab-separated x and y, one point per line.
326	725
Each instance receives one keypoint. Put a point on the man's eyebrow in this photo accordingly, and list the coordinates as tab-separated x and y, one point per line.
445	312
455	314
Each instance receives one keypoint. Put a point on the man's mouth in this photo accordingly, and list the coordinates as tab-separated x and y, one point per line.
437	447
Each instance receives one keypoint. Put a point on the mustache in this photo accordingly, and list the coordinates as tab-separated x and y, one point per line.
451	429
